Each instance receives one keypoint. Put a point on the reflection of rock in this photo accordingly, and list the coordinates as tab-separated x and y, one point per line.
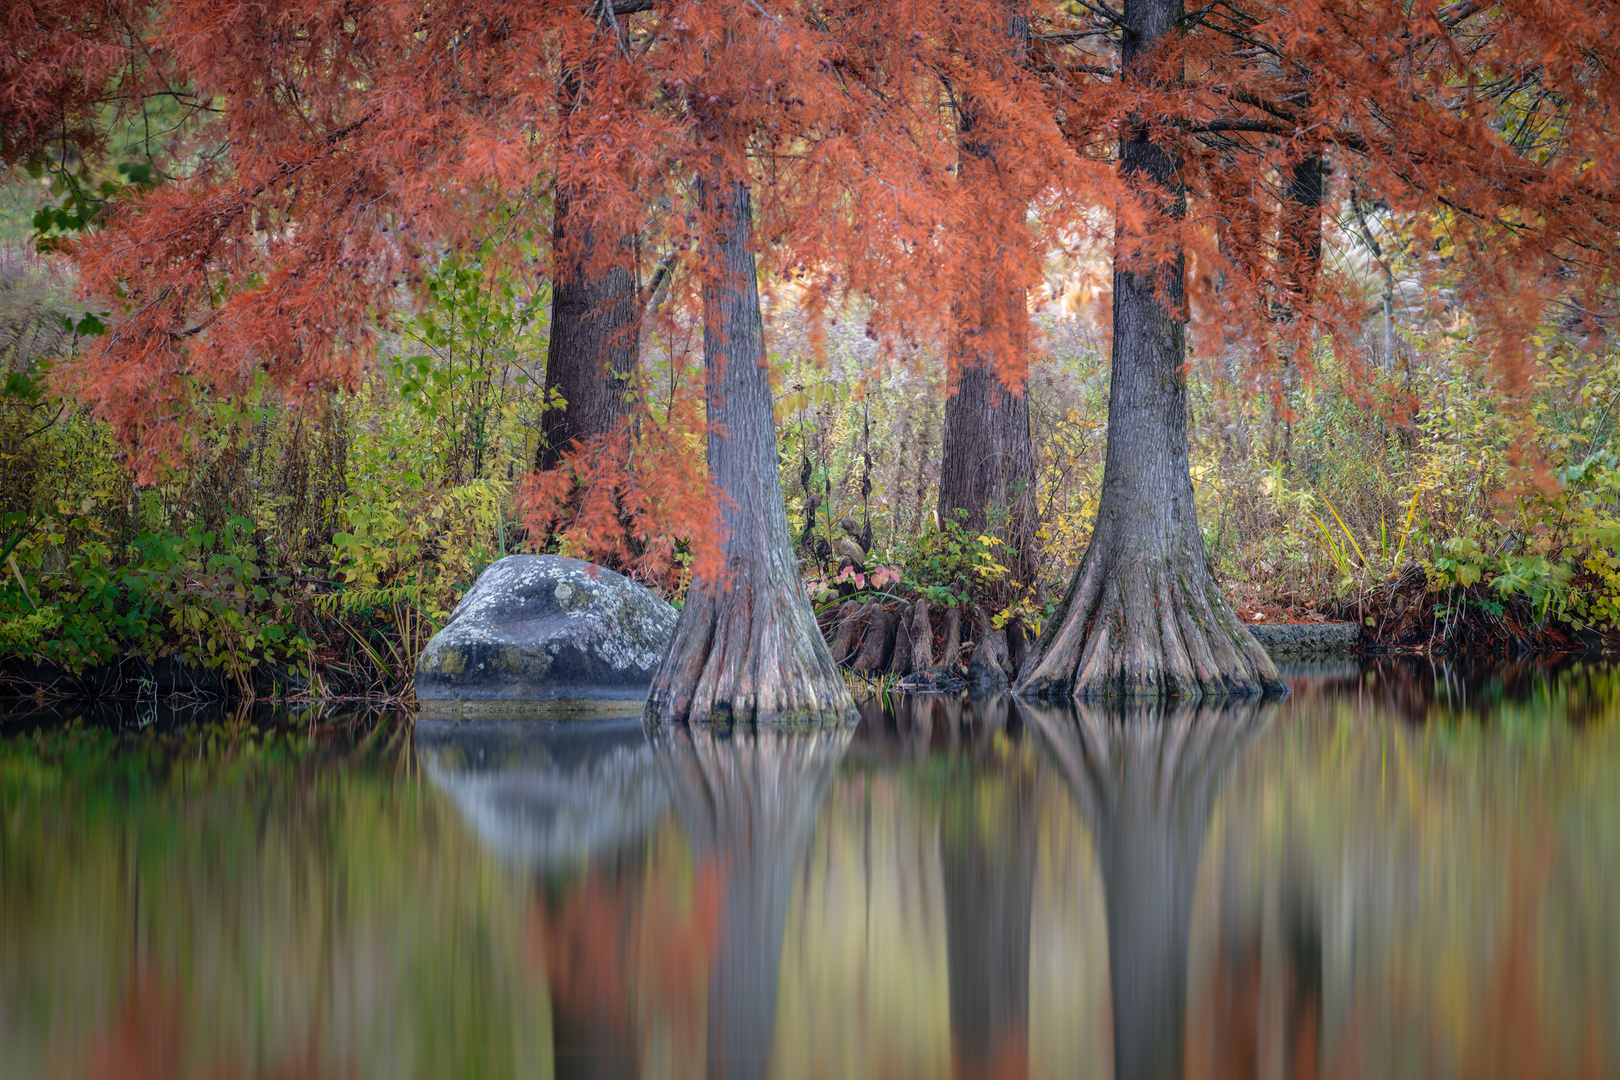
546	793
543	628
1145	777
748	800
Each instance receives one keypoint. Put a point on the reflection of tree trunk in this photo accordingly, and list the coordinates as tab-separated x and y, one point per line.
987	841
1302	1015
989	870
1145	778
748	801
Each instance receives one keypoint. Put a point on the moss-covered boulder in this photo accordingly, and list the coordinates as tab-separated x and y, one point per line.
547	628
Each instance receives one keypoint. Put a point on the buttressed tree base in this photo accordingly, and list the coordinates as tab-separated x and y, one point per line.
1143	616
747	646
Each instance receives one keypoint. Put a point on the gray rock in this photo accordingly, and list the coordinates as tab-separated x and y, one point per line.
1306	641
547	628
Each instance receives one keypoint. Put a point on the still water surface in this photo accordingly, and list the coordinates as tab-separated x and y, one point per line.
1396	872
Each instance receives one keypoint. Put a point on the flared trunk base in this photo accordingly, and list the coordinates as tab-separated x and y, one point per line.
748	651
1147	628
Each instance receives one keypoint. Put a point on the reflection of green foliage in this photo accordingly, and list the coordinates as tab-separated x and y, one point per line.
1444	848
297	891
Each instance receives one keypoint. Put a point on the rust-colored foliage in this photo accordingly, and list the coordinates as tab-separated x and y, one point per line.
347	144
59	64
616	962
629	507
146	1038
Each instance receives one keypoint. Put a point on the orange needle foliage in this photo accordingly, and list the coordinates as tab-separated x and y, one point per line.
346	144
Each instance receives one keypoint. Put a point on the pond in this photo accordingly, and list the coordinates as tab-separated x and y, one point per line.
1398	871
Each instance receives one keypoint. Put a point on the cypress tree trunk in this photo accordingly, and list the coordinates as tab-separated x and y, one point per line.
747	645
595	335
987	468
1143	615
1302	223
595	305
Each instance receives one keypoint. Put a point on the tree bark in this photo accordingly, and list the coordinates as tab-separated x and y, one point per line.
595	332
1302	224
952	658
900	653
922	639
747	645
877	641
595	335
843	641
987	468
1143	616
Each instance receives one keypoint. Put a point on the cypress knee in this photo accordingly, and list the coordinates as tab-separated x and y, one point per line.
876	641
953	641
1017	647
900	655
988	666
922	639
844	636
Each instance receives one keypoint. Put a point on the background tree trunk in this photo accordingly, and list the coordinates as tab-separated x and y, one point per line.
595	335
987	467
747	645
595	332
1302	224
1143	615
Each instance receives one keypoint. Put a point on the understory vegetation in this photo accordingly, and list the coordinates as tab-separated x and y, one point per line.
315	550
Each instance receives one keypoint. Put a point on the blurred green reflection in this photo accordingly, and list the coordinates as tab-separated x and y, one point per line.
1399	871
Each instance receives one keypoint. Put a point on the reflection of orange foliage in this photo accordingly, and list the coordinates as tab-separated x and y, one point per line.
1231	1014
1515	1037
143	1040
1513	1029
620	952
1008	1060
